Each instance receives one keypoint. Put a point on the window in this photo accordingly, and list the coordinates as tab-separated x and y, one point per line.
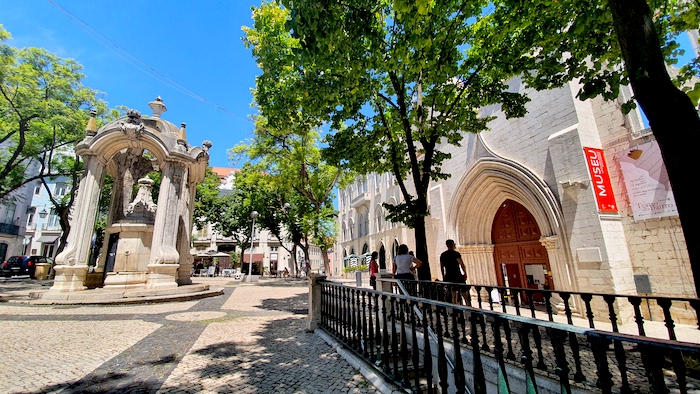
366	223
60	189
345	232
378	216
7	213
31	216
48	250
37	189
53	220
360	225
377	183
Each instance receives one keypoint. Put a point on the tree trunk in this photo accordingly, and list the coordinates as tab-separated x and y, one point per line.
326	262
672	116
422	249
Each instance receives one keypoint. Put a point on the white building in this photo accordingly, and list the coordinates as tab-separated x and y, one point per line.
43	227
526	203
13	213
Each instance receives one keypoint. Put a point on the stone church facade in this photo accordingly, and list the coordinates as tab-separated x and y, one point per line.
525	204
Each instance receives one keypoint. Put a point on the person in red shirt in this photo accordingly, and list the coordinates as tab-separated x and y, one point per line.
373	270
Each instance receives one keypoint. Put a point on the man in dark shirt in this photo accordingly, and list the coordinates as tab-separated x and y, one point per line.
450	264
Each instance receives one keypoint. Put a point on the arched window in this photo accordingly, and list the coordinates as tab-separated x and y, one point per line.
395	249
345	232
365	248
379	218
361	225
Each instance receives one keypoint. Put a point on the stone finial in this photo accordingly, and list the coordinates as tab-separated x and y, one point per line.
183	134
91	128
157	107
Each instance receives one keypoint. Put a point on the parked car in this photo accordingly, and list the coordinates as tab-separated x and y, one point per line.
22	265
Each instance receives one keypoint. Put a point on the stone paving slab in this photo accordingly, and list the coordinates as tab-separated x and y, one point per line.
40	354
251	340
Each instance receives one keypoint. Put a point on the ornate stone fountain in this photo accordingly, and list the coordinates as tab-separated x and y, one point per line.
147	245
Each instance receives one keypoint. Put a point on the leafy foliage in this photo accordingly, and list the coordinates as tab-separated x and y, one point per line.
395	80
43	111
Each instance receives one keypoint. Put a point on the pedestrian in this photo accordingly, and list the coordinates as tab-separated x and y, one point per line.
373	269
404	264
450	264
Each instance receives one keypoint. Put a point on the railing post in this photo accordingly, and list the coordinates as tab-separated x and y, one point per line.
383	285
314	301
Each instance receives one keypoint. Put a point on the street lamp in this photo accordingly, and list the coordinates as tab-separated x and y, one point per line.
253	215
43	213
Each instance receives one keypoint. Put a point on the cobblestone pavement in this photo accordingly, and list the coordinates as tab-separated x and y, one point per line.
251	340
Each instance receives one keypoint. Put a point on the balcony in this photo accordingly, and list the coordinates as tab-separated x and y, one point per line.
360	199
10	229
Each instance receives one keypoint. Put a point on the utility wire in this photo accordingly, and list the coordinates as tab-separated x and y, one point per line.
136	62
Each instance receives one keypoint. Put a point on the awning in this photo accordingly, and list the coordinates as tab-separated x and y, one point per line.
47	239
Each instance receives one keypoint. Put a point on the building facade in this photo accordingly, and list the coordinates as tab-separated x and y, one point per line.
268	254
43	231
13	214
573	196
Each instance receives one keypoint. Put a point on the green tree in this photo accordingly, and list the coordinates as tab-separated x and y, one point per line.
206	195
605	44
396	80
301	179
44	109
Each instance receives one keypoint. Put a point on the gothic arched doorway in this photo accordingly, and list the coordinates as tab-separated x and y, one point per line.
519	257
382	257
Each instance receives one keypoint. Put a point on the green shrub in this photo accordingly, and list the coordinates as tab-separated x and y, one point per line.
355	268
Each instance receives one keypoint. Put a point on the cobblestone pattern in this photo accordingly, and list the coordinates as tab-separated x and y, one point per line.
258	344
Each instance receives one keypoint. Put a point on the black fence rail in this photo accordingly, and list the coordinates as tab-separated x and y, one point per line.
537	302
433	346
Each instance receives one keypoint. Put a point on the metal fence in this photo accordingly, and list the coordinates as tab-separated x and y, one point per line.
434	346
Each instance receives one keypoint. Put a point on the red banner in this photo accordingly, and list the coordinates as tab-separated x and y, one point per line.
600	179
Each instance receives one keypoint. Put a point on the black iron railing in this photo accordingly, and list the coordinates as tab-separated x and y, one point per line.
10	229
537	302
487	347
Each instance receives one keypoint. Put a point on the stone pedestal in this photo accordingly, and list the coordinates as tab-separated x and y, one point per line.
69	278
133	251
162	276
314	301
125	280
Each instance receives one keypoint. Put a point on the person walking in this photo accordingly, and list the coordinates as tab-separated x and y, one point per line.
450	264
373	269
404	264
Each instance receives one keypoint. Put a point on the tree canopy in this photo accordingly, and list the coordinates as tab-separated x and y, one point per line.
394	80
43	111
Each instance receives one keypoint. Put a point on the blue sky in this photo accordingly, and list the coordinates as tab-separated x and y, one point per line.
196	44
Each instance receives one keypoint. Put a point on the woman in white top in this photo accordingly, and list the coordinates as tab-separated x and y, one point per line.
404	264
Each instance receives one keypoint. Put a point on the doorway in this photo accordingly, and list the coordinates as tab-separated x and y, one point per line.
519	257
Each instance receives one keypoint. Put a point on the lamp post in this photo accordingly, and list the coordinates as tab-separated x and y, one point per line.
253	215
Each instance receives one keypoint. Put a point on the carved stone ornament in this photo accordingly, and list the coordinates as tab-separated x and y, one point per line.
142	208
133	127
